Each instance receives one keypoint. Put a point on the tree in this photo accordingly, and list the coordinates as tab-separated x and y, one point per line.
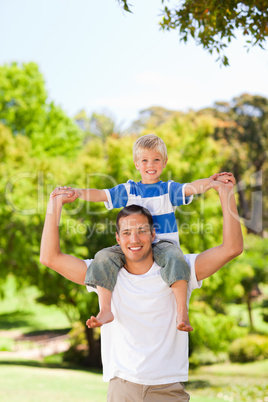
242	127
213	24
25	109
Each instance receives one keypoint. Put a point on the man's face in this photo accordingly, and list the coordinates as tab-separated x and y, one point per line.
135	239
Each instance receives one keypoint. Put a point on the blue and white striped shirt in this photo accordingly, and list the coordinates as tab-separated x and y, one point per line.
160	199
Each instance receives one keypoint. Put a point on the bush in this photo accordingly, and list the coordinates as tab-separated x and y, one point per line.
265	310
249	349
204	357
212	331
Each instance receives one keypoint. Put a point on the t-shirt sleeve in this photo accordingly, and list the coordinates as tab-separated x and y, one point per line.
89	288
177	194
117	197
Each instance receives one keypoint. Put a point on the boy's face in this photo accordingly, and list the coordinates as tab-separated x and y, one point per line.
150	163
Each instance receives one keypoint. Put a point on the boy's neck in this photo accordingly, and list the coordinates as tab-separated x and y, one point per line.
144	181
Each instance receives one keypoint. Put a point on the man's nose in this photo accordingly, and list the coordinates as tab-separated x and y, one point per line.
134	237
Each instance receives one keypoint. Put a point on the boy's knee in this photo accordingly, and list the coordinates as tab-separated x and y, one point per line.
103	256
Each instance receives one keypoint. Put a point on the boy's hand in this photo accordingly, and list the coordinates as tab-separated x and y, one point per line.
224	177
69	191
68	194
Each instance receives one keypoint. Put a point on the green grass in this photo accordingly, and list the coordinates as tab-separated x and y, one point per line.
43	384
34	381
229	382
52	380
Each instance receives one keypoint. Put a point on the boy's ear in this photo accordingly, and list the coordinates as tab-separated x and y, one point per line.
136	165
165	164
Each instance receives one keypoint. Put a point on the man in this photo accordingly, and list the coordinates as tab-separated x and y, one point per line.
144	357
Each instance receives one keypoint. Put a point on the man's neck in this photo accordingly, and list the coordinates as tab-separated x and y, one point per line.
140	267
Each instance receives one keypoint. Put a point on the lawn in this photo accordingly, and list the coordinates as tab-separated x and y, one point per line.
35	381
50	380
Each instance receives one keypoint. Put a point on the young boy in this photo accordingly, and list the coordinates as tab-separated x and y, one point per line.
160	198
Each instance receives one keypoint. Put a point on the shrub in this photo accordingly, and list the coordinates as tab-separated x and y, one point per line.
249	349
212	331
204	357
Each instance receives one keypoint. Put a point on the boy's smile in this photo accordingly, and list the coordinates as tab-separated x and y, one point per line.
150	163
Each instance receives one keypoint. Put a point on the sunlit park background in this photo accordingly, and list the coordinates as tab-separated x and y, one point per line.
80	81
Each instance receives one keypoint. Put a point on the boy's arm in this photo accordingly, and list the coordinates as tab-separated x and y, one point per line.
210	261
90	194
68	266
202	185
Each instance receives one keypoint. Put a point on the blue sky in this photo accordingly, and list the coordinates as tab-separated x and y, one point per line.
96	57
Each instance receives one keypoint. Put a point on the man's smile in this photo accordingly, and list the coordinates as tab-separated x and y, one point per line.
135	248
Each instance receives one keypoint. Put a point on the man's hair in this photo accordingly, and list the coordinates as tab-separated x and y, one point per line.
149	141
134	210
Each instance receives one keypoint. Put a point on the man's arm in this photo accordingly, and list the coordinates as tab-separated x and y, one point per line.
90	194
202	185
68	266
210	261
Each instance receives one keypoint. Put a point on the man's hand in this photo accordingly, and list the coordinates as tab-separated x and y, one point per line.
66	194
223	177
69	191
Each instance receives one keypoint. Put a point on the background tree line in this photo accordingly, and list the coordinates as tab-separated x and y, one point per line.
41	147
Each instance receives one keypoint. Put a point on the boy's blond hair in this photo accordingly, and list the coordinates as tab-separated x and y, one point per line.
149	141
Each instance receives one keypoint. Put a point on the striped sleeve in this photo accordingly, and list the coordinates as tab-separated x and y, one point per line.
177	194
117	197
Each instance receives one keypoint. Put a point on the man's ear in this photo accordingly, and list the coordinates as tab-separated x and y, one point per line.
117	238
153	235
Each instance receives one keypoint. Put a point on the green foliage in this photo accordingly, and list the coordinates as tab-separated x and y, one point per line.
249	349
265	310
25	110
205	356
78	349
215	331
213	24
49	150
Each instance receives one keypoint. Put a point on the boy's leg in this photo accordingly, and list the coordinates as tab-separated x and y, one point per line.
176	273
105	315
102	274
179	289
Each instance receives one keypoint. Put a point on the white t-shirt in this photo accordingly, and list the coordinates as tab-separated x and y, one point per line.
143	344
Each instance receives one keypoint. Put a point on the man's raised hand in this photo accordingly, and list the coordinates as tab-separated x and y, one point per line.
67	194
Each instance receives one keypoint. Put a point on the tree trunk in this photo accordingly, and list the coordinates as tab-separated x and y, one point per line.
94	355
250	311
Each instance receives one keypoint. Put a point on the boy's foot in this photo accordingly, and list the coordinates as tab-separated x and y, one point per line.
183	323
182	326
101	319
